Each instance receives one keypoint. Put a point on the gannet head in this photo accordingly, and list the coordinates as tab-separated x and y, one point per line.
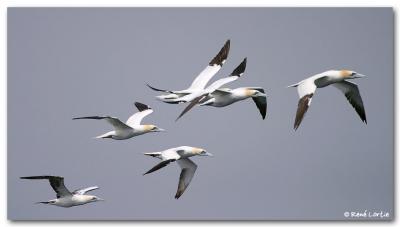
258	93
93	198
200	152
349	74
253	93
153	128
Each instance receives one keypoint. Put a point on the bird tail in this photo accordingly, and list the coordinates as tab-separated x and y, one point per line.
153	154
104	136
42	202
294	85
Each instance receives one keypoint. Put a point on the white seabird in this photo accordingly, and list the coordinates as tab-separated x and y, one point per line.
198	96
338	78
225	96
181	156
201	80
131	128
65	198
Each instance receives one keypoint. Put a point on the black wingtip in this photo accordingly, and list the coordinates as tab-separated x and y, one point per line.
222	55
147	172
177	195
239	70
141	106
296	126
157	89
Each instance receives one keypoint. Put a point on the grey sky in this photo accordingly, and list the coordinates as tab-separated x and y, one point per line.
69	62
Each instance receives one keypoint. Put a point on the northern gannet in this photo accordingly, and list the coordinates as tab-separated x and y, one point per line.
225	96
65	198
338	78
131	128
198	96
201	80
181	156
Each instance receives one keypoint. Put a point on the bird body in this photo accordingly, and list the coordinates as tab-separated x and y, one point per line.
131	128
181	155
338	78
70	201
224	97
66	198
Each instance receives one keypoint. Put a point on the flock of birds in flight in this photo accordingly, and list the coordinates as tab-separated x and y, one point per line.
198	94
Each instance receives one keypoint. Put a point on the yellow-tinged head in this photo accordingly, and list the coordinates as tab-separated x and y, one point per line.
200	151
348	74
250	92
345	73
152	128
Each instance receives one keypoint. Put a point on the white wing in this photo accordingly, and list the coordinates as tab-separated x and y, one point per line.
188	169
84	190
136	118
306	87
115	122
236	73
219	83
213	67
306	91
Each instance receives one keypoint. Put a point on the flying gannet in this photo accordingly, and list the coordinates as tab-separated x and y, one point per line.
65	198
201	80
131	128
225	96
338	78
198	96
181	156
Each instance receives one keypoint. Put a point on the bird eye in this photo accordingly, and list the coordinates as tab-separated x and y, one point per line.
353	73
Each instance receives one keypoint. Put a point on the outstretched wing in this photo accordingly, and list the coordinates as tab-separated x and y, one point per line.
306	91
157	89
236	74
57	183
115	122
84	190
352	94
213	67
261	103
160	165
136	118
188	169
192	104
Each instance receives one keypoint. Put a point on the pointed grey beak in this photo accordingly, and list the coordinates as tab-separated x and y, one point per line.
159	130
358	75
100	199
207	154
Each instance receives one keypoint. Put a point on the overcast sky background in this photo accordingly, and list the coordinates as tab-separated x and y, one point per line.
69	62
